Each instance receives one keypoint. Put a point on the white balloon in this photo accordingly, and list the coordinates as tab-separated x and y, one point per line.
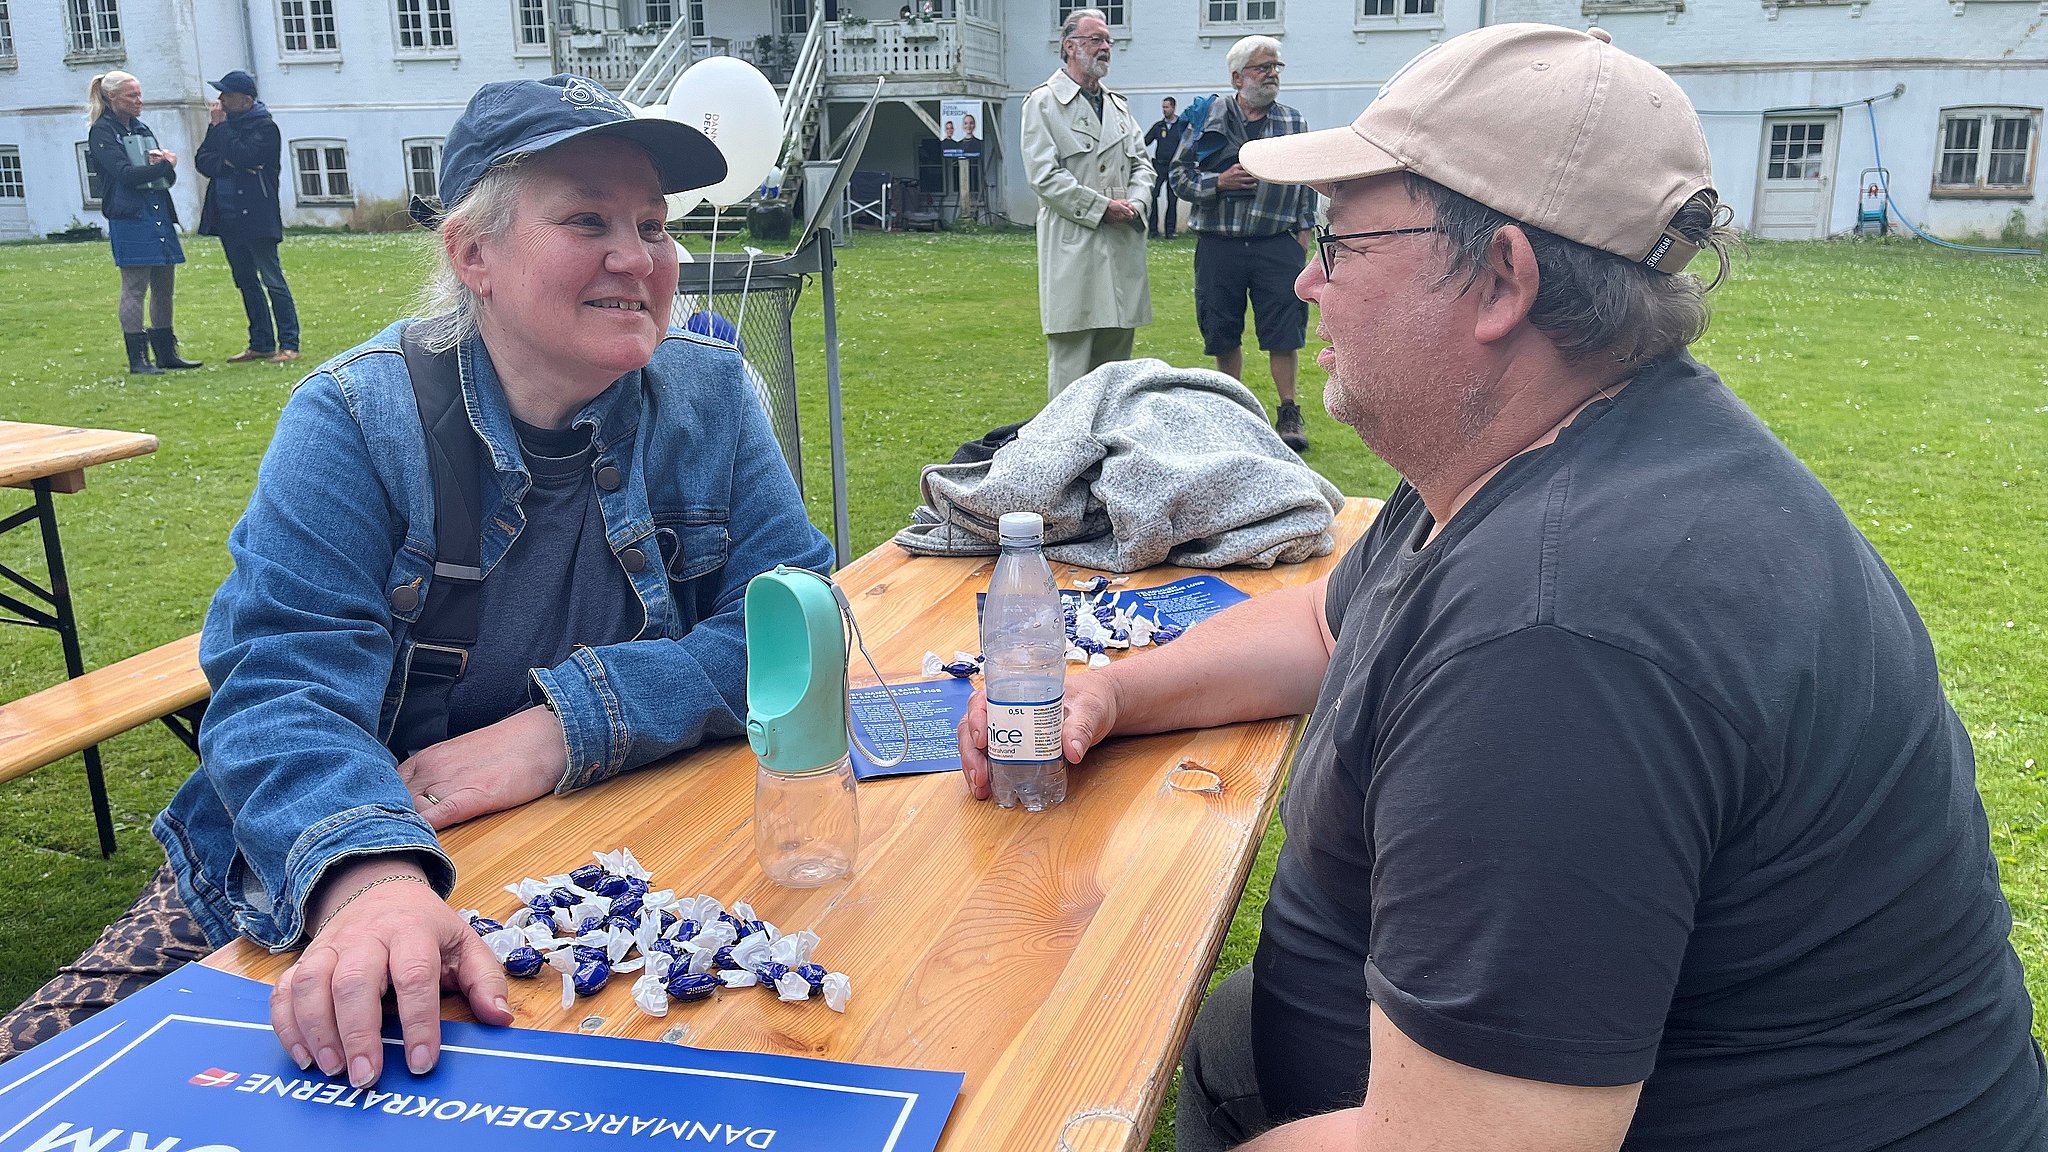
681	204
729	101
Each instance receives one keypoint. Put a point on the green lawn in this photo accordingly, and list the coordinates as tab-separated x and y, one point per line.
1914	381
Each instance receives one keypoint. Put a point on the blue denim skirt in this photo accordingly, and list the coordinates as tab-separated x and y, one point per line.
151	238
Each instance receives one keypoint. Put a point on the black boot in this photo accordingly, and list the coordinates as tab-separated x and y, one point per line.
138	355
164	343
1289	426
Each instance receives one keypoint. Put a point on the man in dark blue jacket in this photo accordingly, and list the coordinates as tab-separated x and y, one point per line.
1164	136
242	159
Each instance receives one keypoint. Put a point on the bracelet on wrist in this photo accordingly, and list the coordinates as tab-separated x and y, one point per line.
393	878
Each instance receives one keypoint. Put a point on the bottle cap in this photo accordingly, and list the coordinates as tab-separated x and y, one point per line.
796	671
1022	528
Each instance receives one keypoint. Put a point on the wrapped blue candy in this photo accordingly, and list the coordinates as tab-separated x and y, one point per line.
623	923
564	897
591	974
813	974
590	924
665	920
612	886
685	985
686	929
484	925
522	961
586	952
628	904
543	910
637	886
1166	633
771	971
723	958
667	946
587	877
1094	585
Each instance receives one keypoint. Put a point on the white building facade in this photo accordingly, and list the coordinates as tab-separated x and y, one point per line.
364	90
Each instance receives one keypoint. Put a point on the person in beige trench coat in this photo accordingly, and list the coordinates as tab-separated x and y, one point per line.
1092	177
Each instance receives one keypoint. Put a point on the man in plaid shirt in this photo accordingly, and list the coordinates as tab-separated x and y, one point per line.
1251	236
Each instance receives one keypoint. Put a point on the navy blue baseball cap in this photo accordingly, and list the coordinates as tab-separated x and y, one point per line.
514	118
236	81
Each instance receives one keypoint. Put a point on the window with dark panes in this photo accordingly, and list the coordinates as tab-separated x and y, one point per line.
426	25
11	186
533	23
307	25
1797	151
322	168
663	12
423	167
90	185
6	32
1112	10
1989	150
92	25
1397	7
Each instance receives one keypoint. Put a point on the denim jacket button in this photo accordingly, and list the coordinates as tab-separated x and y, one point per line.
634	559
405	599
608	478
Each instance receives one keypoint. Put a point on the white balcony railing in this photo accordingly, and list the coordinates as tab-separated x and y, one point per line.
611	58
964	48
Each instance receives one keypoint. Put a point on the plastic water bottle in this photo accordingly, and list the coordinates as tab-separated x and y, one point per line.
1024	669
806	816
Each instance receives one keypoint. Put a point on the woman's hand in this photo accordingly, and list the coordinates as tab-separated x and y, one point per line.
1088	717
328	1009
162	156
520	758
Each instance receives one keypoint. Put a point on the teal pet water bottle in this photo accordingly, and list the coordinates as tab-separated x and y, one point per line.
806	819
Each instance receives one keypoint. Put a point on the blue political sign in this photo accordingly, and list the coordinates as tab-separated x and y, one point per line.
192	1065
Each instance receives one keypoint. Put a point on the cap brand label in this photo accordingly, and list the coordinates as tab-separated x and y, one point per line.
1657	253
584	94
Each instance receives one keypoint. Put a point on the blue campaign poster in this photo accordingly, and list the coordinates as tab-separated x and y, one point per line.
932	708
191	1064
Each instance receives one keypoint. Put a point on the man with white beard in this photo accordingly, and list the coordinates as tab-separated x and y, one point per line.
1084	154
1251	236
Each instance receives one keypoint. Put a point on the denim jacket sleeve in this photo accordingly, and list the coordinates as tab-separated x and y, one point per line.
624	705
299	646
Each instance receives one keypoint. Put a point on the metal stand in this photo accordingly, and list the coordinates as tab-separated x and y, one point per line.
58	618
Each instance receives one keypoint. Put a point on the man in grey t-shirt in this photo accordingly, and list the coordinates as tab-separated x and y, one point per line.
1630	813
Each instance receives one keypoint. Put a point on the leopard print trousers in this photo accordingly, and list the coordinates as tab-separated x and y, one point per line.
152	939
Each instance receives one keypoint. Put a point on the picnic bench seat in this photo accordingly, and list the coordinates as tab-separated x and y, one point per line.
73	715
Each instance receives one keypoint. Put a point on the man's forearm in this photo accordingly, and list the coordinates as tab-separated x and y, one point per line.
1263	658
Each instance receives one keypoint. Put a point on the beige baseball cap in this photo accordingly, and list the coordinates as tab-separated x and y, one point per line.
1555	127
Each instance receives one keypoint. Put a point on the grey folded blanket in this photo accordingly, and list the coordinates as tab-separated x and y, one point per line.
1135	464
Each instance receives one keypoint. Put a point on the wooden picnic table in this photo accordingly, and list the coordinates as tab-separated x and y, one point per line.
1056	958
51	458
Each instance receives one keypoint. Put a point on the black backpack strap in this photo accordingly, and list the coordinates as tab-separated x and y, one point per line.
446	629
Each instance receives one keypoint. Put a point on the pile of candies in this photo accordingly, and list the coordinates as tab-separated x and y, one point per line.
1095	626
588	923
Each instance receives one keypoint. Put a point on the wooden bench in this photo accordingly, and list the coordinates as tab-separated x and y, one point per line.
160	684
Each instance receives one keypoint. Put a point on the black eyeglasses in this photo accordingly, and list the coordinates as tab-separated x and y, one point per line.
1327	240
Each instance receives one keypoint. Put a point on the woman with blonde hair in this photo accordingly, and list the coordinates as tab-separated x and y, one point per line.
136	174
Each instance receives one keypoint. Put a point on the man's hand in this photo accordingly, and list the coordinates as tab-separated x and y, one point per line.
328	1008
1120	212
1236	179
1088	718
215	113
520	758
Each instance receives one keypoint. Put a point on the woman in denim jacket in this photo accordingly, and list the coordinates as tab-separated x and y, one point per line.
632	489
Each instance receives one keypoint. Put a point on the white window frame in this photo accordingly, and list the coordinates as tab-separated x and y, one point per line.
309	18
327	197
693	11
667	14
6	37
98	39
85	175
1236	22
540	12
20	182
433	171
1118	11
426	11
1987	117
1407	16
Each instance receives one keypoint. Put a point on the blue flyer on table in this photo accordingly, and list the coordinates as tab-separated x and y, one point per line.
191	1064
1183	602
933	710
